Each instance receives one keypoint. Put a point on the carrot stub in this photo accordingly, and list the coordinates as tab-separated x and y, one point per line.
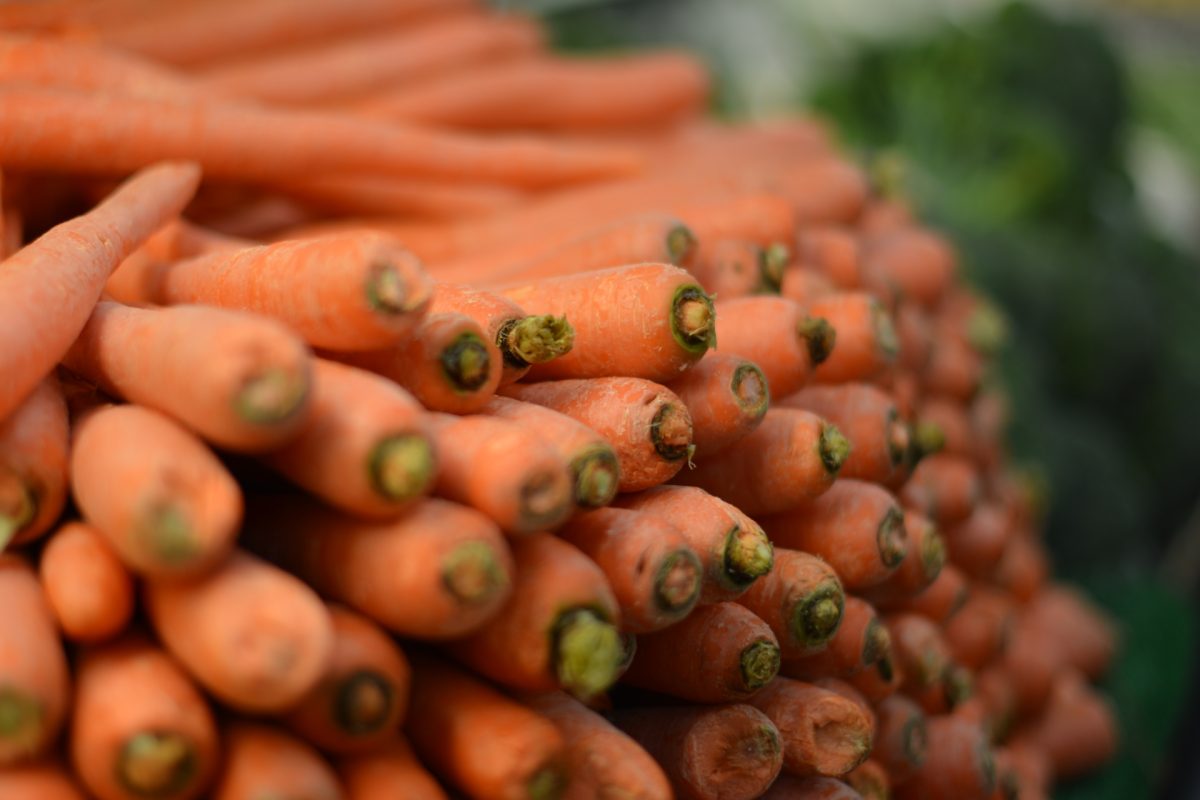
958	764
777	335
87	587
870	421
33	464
866	337
801	600
861	642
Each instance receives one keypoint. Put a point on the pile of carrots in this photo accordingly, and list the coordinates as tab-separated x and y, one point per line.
393	408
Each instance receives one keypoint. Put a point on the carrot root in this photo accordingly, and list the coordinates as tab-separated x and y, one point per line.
534	339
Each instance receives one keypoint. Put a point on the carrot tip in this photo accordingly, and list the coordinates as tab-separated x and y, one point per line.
958	684
819	336
543	503
878	643
364	703
681	244
892	538
273	397
750	388
671	432
402	467
933	554
677	584
987	329
771	264
693	319
169	535
390	294
535	339
748	555
465	363
587	652
759	664
833	447
21	719
472	574
548	783
817	618
913	741
900	439
885	331
18	506
597	474
765	745
927	439
156	764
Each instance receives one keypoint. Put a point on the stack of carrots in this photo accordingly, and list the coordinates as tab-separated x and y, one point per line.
430	414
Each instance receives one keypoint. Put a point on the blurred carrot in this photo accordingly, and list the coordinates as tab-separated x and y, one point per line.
953	423
823	733
914	332
801	600
88	589
1086	635
880	682
727	397
428	199
959	764
803	286
944	488
885	215
388	772
1031	765
1023	568
900	739
920	650
778	336
33	464
870	421
866	337
812	787
920	567
730	268
953	369
1032	661
38	780
822	190
974	317
262	761
859	643
980	630
940	600
976	544
871	780
918	263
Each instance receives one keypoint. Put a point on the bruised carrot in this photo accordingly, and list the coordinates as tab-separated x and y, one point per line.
803	286
734	552
720	653
140	727
729	268
791	458
708	753
557	630
33	464
480	740
959	764
247	377
65	270
944	488
178	510
940	600
871	780
727	397
823	733
857	527
976	544
262	761
88	589
866	337
919	568
778	336
812	787
801	600
860	642
646	424
34	682
448	363
204	624
362	695
901	736
646	321
601	760
437	572
870	421
365	447
920	650
38	780
387	772
834	253
918	263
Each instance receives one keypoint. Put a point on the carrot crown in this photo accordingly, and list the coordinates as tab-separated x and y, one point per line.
465	363
747	555
817	618
587	652
900	438
885	331
390	294
933	553
693	319
364	702
987	328
749	386
759	663
18	506
819	337
958	684
912	738
677	584
877	643
168	534
547	783
597	474
772	262
402	467
21	718
833	447
671	432
272	397
534	339
892	538
681	244
927	439
156	764
472	573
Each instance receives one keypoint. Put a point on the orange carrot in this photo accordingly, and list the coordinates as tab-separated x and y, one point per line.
879	683
900	739
976	544
906	392
366	446
791	458
823	733
944	488
860	642
720	653
1085	634
997	693
834	253
867	417
523	340
33	464
647	321
871	780
727	397
733	549
886	214
989	416
1030	764
1023	568
974	317
940	600
65	269
920	650
1032	660
437	572
87	587
139	727
204	624
953	369
919	264
427	199
708	753
601	760
247	378
841	687
136	280
952	423
801	600
866	337
38	780
920	566
979	632
388	772
558	630
449	364
503	469
665	585
803	286
362	695
914	332
823	190
262	761
857	527
647	425
730	268
778	336
812	787
480	740
33	670
959	764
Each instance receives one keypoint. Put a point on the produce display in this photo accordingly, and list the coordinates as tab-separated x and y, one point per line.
391	407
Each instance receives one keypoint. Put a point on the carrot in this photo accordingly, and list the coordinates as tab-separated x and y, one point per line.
885	214
1023	568
944	488
647	425
503	469
346	67
730	268
97	135
833	253
139	727
204	624
65	269
33	464
1031	767
437	572
953	422
481	741
953	369
914	333
708	753
38	780
262	761
866	337
867	417
812	787
919	568
857	527
646	321
734	551
801	600
88	589
1032	661
906	392
989	417
959	764
860	642
918	263
996	696
791	458
720	653
975	317
979	632
247	378
920	649
803	286
727	397
940	600
427	199
362	695
880	682
602	761
523	340
823	190
34	682
136	280
841	687
823	733
1085	634
976	544
871	780
901	737
665	584
387	772
557	630
366	446
778	336
449	364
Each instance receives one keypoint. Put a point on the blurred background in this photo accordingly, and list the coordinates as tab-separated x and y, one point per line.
1058	144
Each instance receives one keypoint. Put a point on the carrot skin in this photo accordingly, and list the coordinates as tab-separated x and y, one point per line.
944	488
1086	635
87	587
33	465
870	421
959	764
388	772
900	739
861	641
38	780
980	631
727	397
262	761
777	335
834	253
871	780
916	264
823	733
801	600
866	337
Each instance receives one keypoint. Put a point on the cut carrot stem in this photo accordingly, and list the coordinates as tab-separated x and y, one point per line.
33	464
866	337
919	568
38	780
867	417
958	763
801	600
389	771
778	336
940	600
646	424
727	397
437	572
87	587
861	642
944	488
822	732
263	761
